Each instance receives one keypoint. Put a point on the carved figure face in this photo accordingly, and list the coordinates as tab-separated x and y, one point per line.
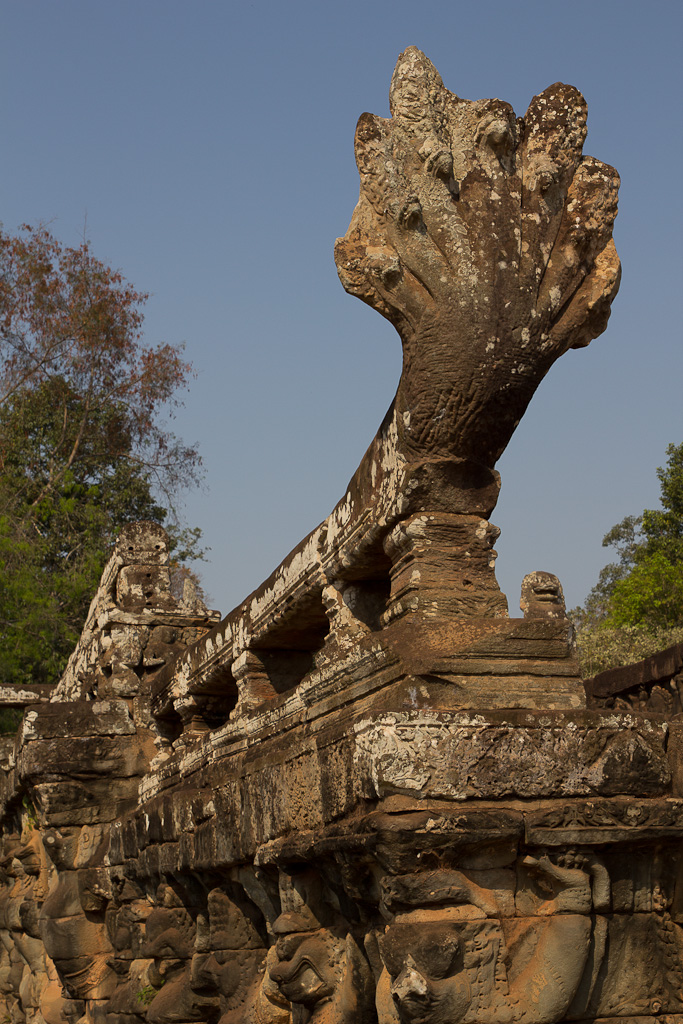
424	959
317	965
169	929
308	961
542	596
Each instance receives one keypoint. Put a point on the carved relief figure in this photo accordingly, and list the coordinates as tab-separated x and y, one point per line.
516	951
318	967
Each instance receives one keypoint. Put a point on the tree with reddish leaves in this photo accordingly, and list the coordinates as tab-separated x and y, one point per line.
82	449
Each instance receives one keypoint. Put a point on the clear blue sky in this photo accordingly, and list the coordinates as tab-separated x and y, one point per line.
208	148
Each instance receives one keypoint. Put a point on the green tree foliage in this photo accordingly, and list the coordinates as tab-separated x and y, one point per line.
625	539
82	451
600	648
636	607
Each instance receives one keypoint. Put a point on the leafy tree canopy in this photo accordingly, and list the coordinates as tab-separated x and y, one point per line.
639	598
82	449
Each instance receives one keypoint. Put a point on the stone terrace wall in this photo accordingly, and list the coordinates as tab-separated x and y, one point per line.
367	795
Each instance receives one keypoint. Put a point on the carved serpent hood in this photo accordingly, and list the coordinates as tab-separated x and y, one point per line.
486	240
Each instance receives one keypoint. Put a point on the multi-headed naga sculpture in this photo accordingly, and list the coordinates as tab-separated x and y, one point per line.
486	240
367	795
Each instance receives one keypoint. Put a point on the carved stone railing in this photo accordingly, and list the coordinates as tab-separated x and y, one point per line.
367	795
